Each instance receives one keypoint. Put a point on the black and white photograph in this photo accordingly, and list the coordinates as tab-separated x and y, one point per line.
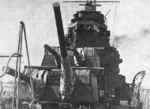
74	54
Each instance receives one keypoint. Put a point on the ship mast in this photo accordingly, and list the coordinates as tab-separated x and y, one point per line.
91	4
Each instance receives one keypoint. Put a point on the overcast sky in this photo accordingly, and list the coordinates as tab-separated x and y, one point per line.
128	20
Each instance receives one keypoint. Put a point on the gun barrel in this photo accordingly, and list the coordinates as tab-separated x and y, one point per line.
60	30
65	65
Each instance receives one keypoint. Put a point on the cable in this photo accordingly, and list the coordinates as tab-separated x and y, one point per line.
114	19
26	44
28	59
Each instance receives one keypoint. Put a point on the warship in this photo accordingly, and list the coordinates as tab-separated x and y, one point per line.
82	72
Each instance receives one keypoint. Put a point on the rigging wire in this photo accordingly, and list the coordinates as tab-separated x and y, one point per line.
28	60
26	44
114	19
113	24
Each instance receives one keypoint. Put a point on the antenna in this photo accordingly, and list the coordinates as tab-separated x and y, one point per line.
91	3
95	4
113	1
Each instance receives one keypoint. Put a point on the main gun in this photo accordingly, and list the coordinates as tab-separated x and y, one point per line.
65	65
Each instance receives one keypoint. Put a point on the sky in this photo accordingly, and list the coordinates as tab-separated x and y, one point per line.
128	22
